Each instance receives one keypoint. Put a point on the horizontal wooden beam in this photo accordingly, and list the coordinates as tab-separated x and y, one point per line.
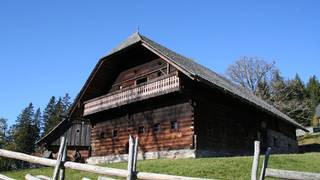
3	177
294	175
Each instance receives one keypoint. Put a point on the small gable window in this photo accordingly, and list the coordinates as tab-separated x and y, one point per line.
102	135
114	133
174	125
141	129
156	128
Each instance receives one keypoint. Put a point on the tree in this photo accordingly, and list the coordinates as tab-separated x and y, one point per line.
24	135
36	123
66	103
48	115
252	74
3	130
313	92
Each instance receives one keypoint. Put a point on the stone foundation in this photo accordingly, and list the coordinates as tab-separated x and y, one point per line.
170	154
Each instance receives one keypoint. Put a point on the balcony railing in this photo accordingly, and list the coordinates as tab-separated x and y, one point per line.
140	92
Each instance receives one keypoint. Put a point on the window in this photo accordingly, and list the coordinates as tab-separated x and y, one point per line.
174	125
159	74
141	129
156	128
101	135
275	142
114	133
142	80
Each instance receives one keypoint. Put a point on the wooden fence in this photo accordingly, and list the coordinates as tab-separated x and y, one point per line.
131	173
276	173
60	164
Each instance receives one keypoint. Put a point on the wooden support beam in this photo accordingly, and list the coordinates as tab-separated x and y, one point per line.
59	158
135	155
255	162
294	175
3	177
131	158
43	177
64	157
31	177
265	163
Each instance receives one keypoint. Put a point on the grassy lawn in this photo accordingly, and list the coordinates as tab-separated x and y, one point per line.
219	168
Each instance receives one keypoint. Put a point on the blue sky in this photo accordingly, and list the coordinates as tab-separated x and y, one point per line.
50	47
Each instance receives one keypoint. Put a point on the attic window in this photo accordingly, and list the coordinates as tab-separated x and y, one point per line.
114	133
101	135
174	125
141	129
142	80
156	128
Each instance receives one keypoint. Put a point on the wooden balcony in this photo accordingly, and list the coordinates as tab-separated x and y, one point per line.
137	93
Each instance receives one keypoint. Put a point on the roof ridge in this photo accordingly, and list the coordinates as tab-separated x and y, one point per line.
132	39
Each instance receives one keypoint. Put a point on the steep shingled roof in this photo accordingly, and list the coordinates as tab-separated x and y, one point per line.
206	75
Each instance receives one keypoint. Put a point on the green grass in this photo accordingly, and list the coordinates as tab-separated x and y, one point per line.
219	168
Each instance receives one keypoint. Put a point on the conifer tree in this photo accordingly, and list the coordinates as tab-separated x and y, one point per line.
24	135
37	123
66	103
313	92
3	130
48	115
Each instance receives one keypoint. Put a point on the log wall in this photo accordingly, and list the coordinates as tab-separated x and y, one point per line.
104	142
226	126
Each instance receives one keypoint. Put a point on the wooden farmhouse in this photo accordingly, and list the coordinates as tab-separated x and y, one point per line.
176	107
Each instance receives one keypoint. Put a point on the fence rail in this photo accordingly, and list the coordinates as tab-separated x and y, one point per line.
130	174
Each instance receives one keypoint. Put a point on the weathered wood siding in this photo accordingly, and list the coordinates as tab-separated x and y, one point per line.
224	125
103	142
77	134
150	70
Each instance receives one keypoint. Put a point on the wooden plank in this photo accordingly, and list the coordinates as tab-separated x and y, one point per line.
135	155
294	175
255	162
131	159
59	158
43	177
64	158
78	129
83	134
105	178
3	177
31	177
265	163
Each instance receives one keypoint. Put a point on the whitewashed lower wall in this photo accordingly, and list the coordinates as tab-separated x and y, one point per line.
170	154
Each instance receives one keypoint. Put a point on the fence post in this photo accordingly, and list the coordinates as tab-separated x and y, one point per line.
64	158
265	163
59	158
135	155
255	162
130	158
